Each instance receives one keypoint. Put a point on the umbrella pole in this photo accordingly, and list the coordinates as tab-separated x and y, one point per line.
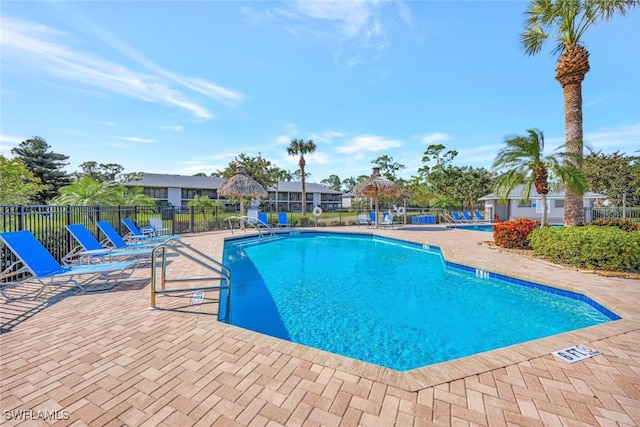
242	212
377	221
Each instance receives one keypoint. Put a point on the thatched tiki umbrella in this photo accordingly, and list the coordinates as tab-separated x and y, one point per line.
241	185
375	186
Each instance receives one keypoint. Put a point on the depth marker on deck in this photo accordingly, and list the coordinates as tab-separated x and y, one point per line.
576	353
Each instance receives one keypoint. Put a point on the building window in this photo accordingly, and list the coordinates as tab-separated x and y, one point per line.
558	203
156	193
192	193
525	203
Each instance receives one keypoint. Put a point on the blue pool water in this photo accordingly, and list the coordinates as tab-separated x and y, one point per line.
387	302
476	227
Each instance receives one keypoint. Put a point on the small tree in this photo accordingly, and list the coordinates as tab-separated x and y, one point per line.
18	185
201	203
526	164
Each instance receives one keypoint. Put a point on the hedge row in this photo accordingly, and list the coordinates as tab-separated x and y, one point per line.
593	247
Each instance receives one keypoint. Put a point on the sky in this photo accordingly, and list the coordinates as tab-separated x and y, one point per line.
184	87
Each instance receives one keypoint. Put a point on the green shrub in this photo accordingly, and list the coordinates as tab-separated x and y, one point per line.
622	224
513	234
593	247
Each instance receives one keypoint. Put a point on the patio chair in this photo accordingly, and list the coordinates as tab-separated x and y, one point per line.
283	220
387	220
263	220
158	227
137	235
479	216
35	263
467	216
252	216
456	217
372	217
89	248
116	241
363	219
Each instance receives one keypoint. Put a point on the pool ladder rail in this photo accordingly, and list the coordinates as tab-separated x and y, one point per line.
259	225
220	274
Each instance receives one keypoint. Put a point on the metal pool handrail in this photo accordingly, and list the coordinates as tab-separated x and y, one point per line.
244	219
222	274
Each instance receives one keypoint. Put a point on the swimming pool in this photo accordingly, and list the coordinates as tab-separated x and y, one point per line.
388	302
476	227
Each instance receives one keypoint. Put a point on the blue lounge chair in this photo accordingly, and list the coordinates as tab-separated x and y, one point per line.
116	241
467	216
456	217
90	248
136	235
35	263
479	216
283	220
372	217
263	220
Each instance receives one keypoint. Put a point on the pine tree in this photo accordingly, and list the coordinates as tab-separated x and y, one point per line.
44	164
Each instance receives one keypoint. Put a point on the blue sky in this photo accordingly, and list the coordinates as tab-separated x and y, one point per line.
184	87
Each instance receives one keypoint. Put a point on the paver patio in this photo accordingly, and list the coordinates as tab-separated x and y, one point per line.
105	359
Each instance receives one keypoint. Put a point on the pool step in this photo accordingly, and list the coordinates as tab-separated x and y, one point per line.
256	241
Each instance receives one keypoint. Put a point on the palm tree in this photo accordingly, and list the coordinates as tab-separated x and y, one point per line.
566	21
525	163
301	147
89	192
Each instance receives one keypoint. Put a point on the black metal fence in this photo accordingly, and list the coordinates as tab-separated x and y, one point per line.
48	223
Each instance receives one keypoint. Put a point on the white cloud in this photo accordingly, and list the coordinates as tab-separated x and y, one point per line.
623	139
435	137
172	127
136	139
8	142
359	23
482	156
326	136
44	50
370	143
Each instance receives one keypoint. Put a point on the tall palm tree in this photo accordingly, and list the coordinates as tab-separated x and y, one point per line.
566	21
525	163
301	147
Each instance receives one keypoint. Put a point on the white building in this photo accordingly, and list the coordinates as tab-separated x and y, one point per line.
179	190
518	207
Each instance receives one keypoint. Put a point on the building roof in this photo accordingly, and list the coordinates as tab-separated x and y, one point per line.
176	181
518	193
296	187
210	182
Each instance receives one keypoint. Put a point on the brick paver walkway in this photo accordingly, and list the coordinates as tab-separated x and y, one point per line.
105	359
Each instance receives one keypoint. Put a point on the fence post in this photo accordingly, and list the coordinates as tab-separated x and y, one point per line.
174	211
192	210
69	219
21	217
69	215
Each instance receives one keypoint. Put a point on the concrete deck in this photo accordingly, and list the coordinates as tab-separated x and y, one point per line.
105	359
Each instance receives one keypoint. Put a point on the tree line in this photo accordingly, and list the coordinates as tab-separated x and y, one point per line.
35	175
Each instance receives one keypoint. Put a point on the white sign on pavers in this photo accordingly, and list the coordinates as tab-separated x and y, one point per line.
197	298
576	353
